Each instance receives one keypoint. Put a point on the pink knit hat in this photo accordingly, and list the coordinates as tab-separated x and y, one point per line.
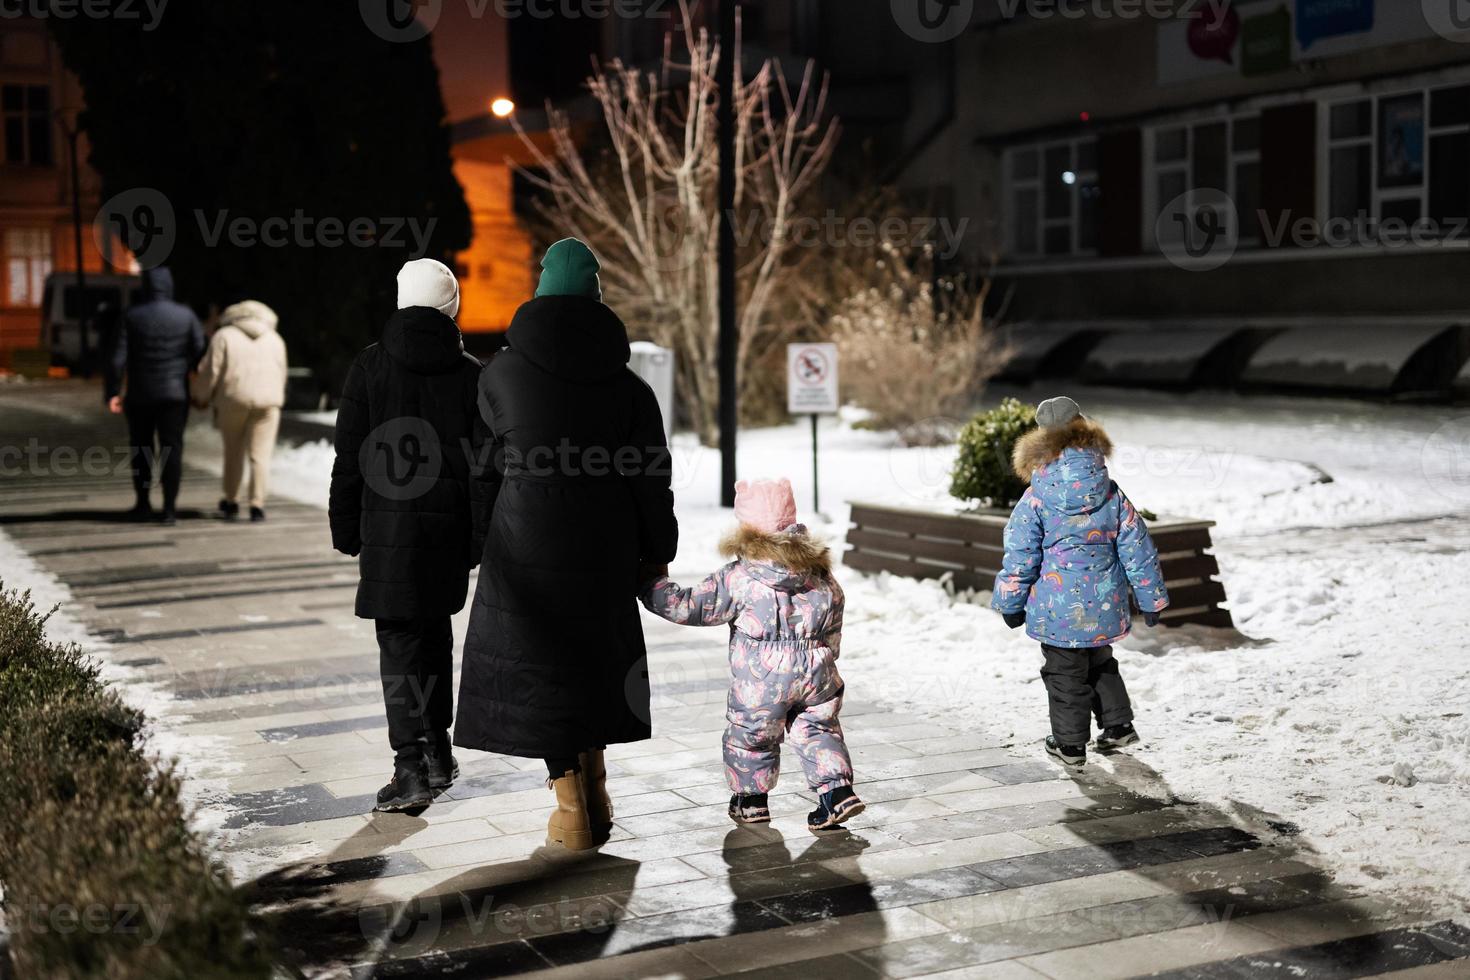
766	505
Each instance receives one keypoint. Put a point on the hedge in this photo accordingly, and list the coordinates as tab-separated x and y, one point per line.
982	470
102	876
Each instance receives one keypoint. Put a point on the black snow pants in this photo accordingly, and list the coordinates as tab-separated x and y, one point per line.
1081	683
166	421
416	660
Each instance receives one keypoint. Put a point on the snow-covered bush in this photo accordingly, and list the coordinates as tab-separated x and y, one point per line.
982	470
916	347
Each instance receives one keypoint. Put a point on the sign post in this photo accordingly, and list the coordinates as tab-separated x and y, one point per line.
811	389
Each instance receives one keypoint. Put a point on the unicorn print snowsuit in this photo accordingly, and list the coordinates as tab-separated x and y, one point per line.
1075	545
785	611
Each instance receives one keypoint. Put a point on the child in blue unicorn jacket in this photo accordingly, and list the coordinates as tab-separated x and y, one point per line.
1074	548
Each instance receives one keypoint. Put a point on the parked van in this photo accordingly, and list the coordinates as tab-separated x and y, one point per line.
63	307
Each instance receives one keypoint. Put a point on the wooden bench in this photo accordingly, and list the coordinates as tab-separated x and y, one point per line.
927	544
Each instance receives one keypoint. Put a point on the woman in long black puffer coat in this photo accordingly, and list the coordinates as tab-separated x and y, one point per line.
554	662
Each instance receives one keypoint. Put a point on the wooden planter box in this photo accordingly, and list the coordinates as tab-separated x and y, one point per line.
927	544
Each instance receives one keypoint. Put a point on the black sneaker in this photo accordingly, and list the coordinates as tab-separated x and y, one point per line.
443	767
1074	756
407	790
256	515
229	510
750	809
834	807
142	511
169	517
1116	737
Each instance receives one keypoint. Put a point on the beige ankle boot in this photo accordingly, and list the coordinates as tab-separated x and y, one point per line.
594	789
569	825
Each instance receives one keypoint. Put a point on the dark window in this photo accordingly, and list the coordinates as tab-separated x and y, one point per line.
27	124
1449	179
1087	156
1024	164
1248	200
1247	135
1171	145
1089	197
1407	211
1058	191
1209	157
1351	190
1026	217
1450	107
1059	240
1352	119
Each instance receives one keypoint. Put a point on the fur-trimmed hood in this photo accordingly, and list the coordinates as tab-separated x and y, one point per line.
1040	446
783	561
1067	466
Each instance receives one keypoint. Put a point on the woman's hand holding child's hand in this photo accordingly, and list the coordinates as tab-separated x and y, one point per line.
648	573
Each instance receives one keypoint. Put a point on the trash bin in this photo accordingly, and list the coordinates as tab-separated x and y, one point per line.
655	365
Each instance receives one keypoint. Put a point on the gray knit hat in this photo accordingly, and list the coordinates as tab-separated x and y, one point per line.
1057	412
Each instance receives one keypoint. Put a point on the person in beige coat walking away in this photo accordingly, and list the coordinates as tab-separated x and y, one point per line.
243	375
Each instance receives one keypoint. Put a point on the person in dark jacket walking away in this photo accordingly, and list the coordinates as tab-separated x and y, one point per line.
1075	548
554	662
408	499
159	342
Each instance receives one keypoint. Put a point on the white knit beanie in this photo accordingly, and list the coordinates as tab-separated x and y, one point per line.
424	282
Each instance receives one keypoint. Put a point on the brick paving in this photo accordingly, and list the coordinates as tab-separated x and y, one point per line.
972	860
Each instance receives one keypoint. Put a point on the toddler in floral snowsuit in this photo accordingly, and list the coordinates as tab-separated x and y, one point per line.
785	614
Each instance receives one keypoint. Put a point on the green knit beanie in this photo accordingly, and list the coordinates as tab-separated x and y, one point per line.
570	269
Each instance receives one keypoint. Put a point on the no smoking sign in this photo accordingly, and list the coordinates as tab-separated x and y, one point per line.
811	379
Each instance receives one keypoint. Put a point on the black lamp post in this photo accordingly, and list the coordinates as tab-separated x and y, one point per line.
728	340
72	132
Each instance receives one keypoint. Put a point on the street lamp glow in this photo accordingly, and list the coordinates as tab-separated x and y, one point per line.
502	108
1069	178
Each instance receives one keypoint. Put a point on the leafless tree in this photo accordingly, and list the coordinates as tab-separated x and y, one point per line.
648	201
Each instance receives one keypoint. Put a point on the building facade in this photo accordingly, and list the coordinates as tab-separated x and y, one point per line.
472	51
1265	165
1330	155
39	103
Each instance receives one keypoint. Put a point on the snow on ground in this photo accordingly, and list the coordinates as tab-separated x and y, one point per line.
1342	705
190	755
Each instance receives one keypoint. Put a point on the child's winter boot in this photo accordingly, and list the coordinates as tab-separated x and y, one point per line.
594	790
407	790
1116	737
834	808
1074	756
569	825
752	808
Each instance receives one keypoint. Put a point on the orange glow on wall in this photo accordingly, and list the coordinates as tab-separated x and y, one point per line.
495	272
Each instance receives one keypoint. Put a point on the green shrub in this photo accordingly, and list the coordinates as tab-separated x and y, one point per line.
103	877
982	471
